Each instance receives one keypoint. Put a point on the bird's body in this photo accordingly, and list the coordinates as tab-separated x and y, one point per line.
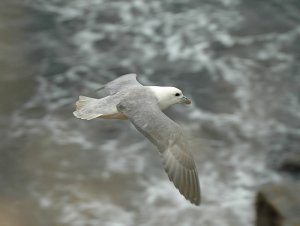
143	105
162	94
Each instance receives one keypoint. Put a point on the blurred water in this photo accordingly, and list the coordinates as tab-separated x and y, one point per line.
238	60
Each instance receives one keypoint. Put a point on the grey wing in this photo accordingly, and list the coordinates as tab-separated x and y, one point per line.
121	83
173	147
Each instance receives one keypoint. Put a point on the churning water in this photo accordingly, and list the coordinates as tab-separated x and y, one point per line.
238	60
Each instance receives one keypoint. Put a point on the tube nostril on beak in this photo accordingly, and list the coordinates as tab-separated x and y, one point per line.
185	100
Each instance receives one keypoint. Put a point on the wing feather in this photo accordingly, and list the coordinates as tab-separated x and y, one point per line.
121	83
143	111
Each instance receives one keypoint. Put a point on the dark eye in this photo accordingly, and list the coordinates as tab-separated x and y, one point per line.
177	94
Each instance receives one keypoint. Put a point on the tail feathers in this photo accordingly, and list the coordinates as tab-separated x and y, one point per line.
85	108
83	101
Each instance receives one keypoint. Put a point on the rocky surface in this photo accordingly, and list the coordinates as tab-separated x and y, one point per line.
278	205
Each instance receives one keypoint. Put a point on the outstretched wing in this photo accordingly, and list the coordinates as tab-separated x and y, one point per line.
123	82
143	111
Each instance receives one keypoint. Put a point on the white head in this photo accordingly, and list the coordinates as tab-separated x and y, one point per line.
168	96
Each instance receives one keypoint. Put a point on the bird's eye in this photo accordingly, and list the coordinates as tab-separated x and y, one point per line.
177	94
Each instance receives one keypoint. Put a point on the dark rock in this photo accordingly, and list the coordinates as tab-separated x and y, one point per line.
278	205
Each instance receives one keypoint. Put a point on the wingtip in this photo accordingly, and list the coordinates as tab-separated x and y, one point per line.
197	201
186	181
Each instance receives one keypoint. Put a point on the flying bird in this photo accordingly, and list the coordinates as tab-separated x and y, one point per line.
125	99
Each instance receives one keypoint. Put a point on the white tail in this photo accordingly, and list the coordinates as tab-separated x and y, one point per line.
85	108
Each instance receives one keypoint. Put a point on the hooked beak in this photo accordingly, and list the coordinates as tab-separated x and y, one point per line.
185	100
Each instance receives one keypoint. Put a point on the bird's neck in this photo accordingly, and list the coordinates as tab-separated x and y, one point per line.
163	96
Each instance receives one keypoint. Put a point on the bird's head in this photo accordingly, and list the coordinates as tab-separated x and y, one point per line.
175	96
168	96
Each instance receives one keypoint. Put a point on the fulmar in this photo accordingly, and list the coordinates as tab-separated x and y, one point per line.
126	98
